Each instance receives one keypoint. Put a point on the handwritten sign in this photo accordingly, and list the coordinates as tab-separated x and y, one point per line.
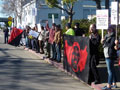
102	19
34	33
114	13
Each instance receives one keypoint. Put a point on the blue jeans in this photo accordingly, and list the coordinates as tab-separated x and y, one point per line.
53	51
111	71
5	38
26	42
58	51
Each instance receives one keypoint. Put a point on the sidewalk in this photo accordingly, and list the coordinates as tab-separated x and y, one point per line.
101	68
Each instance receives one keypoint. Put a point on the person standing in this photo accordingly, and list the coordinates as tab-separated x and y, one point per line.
6	30
94	53
78	30
46	45
51	40
117	47
57	40
69	31
41	39
110	57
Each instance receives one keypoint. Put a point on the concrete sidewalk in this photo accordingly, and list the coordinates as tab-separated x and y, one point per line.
101	68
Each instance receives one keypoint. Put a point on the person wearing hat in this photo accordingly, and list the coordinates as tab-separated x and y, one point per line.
78	30
69	31
110	57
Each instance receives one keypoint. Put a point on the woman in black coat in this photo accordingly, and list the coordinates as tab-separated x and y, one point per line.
94	59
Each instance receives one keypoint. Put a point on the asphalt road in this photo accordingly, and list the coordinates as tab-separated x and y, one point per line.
23	70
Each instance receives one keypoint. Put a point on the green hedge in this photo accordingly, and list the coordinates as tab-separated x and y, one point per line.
84	24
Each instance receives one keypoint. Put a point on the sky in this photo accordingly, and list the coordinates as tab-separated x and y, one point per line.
1	14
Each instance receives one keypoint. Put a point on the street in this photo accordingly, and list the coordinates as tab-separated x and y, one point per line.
22	70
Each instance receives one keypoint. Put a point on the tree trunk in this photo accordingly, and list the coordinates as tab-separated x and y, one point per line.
106	4
20	18
70	18
98	4
15	20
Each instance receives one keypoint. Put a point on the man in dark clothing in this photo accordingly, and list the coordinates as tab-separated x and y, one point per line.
78	30
6	30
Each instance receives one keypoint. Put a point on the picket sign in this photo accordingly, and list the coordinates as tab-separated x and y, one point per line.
102	20
114	14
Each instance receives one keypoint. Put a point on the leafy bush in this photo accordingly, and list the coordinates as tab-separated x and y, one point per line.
84	24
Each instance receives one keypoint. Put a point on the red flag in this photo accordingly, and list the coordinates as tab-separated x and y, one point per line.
77	56
15	36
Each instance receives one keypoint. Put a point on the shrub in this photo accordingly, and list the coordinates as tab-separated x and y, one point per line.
84	24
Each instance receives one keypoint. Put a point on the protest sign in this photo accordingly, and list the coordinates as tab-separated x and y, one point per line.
34	33
102	19
114	13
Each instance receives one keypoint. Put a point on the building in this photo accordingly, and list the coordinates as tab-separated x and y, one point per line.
37	12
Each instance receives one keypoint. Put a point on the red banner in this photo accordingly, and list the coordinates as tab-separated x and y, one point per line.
15	36
76	56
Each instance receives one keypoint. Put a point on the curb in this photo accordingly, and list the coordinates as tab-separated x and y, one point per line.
60	67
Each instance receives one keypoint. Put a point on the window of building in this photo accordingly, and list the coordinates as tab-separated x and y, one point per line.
86	12
55	15
93	11
42	2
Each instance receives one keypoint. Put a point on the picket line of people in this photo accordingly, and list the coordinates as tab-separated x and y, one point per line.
49	43
49	40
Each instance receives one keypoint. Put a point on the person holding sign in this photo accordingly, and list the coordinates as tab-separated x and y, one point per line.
51	39
110	56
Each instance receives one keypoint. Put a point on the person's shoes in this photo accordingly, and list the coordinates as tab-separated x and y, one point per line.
96	82
58	61
51	58
47	56
113	86
44	57
41	52
37	51
106	88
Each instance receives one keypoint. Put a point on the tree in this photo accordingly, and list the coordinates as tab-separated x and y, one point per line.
13	7
106	4
68	4
98	4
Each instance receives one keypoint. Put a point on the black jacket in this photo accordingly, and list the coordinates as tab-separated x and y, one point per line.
94	48
79	32
110	43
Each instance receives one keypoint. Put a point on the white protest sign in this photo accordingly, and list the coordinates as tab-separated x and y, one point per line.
39	27
53	18
102	19
114	13
34	33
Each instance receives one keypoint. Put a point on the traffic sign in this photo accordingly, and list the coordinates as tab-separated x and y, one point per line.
10	18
